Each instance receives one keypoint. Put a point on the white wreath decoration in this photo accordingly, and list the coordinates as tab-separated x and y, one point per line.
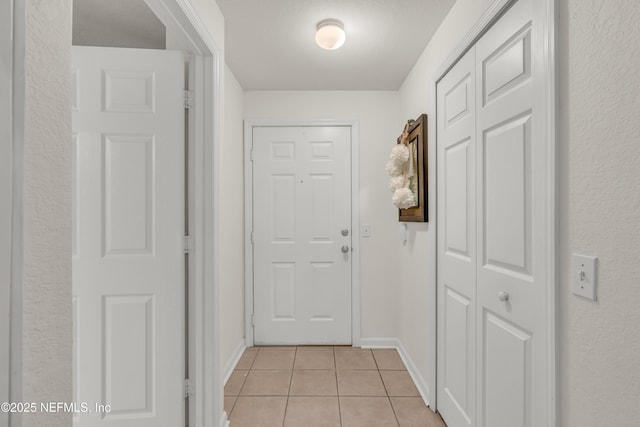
399	167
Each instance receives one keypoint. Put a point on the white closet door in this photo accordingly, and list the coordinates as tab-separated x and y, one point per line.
492	275
456	153
511	209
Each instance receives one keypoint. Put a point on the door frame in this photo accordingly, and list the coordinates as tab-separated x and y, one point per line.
545	12
249	124
206	398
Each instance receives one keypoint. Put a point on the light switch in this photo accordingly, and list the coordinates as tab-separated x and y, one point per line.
366	230
583	272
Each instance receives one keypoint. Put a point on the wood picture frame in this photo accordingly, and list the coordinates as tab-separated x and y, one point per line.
418	149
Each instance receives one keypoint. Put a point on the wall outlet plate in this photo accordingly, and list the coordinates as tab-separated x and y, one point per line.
583	276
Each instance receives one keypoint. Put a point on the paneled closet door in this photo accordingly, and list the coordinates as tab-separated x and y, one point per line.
511	194
493	195
456	154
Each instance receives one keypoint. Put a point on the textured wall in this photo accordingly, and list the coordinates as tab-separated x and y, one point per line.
231	220
599	139
377	115
47	210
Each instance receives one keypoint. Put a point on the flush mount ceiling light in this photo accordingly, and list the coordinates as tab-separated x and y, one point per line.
330	34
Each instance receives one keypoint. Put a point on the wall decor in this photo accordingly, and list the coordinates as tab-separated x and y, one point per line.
407	167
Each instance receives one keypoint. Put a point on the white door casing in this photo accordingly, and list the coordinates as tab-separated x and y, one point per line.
187	31
302	235
513	166
128	216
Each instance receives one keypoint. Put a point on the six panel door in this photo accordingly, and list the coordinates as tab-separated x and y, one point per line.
302	235
128	227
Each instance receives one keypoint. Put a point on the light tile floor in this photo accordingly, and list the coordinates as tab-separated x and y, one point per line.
314	386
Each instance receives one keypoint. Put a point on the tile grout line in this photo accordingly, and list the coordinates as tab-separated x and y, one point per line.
335	370
244	380
385	388
286	405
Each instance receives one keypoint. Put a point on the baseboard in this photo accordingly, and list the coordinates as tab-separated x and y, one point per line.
233	360
224	420
418	379
380	343
228	370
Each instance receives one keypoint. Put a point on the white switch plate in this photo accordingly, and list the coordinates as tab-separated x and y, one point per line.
366	230
583	276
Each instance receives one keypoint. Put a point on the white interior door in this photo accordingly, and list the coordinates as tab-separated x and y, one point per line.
511	222
128	227
302	235
492	333
457	259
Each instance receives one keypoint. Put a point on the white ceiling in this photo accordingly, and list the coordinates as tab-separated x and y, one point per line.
269	44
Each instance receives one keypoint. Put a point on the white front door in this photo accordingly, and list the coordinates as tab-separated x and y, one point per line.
128	228
493	199
302	235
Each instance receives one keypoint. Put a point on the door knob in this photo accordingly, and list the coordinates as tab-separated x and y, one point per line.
503	296
345	231
345	249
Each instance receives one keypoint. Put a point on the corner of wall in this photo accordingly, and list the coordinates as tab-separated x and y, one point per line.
47	322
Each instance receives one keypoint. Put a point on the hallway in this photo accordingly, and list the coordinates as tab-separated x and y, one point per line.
314	386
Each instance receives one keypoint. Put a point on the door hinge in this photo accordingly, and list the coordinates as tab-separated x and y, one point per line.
188	244
188	388
188	99
252	237
251	155
253	319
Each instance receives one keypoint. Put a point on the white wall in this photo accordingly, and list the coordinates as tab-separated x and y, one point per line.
47	210
377	115
599	201
417	316
232	221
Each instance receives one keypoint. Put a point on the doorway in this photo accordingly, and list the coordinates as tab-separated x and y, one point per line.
202	386
302	234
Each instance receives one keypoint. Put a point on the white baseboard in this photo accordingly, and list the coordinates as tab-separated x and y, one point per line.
228	370
224	420
418	379
233	360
